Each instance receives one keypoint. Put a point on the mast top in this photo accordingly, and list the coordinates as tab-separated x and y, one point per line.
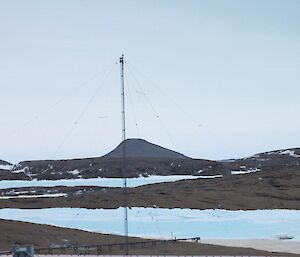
122	59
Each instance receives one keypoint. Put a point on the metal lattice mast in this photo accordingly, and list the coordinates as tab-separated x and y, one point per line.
124	152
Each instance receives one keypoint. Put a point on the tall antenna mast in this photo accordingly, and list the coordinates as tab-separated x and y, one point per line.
124	152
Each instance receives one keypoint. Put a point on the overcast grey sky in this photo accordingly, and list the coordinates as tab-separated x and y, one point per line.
223	76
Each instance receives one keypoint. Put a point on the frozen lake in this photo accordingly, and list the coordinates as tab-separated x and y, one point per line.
169	223
104	182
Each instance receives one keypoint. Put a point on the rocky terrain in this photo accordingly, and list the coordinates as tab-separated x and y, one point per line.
144	159
262	181
269	180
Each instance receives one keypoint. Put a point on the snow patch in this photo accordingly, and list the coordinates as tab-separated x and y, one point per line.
241	172
289	152
20	171
6	167
32	196
74	172
211	176
285	152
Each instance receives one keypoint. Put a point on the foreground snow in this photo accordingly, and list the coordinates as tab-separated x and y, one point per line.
169	223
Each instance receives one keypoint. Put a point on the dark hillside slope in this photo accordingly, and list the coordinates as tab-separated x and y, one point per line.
112	167
270	160
139	148
144	159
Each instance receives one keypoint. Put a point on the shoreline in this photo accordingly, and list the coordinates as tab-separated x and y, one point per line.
45	236
271	245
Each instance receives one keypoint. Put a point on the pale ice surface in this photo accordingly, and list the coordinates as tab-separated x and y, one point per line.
104	182
169	223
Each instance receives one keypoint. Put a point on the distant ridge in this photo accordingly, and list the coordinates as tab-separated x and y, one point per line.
5	166
144	159
4	163
140	148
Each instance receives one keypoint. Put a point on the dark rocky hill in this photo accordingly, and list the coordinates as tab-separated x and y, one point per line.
139	148
144	159
112	167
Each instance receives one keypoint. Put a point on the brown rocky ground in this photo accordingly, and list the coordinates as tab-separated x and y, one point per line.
44	236
260	190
